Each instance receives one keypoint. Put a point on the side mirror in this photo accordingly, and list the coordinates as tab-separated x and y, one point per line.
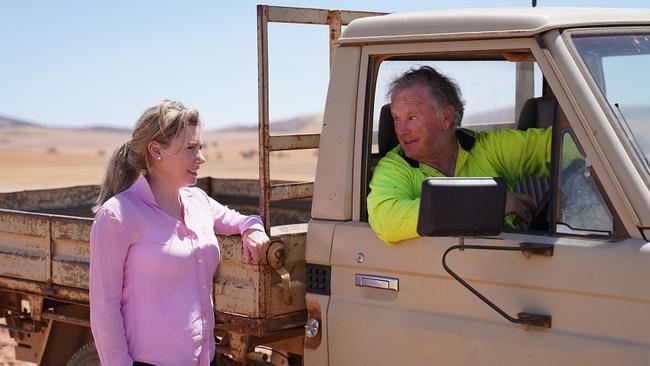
452	206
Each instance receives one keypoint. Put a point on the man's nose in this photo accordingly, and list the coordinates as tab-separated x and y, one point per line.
401	128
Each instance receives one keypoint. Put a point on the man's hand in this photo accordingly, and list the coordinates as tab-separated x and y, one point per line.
255	244
521	205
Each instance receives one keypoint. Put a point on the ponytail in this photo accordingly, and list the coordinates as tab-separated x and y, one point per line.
119	176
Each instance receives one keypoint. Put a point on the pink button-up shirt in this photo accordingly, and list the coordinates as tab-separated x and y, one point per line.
151	277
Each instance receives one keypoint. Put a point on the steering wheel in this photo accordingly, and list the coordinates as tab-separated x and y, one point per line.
540	219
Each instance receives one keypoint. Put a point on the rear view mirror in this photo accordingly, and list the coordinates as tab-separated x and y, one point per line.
452	206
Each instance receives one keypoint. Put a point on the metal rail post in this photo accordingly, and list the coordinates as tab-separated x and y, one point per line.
267	143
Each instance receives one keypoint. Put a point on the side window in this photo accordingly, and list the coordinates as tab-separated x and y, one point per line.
493	86
505	92
489	88
582	209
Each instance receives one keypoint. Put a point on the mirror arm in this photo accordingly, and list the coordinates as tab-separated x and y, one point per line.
525	319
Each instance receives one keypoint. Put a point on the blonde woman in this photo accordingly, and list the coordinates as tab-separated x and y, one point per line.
153	249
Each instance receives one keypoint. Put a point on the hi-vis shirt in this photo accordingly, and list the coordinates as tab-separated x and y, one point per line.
394	199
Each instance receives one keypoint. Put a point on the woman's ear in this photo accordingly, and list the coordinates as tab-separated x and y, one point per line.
153	149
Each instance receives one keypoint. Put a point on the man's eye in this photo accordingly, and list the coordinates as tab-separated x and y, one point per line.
411	118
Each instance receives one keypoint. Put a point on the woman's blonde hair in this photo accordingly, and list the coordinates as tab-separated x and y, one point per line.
160	123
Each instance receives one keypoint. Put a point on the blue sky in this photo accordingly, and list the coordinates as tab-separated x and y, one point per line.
81	63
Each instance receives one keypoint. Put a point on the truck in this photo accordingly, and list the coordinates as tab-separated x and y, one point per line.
570	288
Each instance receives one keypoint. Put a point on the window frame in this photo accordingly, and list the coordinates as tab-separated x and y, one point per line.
374	56
622	132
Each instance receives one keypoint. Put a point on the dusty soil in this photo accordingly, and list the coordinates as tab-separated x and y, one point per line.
7	356
39	158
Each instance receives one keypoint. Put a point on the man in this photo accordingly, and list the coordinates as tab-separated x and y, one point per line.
427	107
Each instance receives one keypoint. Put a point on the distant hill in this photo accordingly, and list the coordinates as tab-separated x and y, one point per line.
8	122
104	129
503	114
309	123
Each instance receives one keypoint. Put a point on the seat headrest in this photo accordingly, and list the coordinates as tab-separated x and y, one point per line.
537	113
386	137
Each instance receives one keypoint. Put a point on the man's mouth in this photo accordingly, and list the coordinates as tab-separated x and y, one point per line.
193	171
407	142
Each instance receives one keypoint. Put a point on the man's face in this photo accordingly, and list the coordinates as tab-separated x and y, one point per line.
419	122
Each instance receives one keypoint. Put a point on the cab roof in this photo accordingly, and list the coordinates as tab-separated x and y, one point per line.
485	23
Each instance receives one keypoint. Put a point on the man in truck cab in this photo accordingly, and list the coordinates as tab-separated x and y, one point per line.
427	109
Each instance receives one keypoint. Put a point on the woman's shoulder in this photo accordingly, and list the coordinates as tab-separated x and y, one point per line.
118	206
194	190
195	193
198	196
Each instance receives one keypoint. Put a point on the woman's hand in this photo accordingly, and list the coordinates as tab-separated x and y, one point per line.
255	244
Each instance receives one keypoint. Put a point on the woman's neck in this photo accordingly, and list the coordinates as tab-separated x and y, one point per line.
165	194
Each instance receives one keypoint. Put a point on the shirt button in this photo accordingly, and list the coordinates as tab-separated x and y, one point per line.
200	260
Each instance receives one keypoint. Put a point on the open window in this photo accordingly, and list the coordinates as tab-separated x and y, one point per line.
502	89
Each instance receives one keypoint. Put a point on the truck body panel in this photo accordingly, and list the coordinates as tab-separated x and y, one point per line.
591	285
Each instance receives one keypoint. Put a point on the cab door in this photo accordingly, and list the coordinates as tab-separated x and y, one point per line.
396	305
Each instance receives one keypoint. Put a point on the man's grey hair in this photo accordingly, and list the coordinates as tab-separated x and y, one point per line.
442	90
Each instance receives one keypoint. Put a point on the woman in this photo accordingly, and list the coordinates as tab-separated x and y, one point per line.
153	249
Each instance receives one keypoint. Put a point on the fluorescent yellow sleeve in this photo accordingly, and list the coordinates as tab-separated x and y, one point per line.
394	198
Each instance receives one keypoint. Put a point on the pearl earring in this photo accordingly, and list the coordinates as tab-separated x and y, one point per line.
159	157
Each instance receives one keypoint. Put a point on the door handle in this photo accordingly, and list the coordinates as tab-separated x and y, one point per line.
381	282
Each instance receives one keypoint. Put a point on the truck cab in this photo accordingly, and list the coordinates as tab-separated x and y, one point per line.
581	72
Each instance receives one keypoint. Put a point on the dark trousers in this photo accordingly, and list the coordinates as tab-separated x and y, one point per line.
138	363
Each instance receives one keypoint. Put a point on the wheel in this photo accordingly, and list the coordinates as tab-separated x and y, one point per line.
85	356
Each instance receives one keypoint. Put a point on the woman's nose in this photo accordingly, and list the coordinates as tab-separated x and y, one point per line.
200	157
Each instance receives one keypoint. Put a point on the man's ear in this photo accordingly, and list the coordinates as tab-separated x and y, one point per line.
448	115
153	149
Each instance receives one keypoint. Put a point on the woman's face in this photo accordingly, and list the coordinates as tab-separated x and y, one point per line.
180	161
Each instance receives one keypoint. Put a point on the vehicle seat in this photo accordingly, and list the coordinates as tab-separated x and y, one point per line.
386	137
538	112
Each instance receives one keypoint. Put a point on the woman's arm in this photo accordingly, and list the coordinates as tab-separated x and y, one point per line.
108	248
251	228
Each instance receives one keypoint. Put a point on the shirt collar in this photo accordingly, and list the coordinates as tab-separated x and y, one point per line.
142	188
466	140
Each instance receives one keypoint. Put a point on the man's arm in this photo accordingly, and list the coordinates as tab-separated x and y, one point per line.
519	154
394	201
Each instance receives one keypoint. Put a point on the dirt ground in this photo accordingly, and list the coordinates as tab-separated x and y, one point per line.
41	158
7	356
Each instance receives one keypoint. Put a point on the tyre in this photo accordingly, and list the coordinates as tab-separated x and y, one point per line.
85	356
